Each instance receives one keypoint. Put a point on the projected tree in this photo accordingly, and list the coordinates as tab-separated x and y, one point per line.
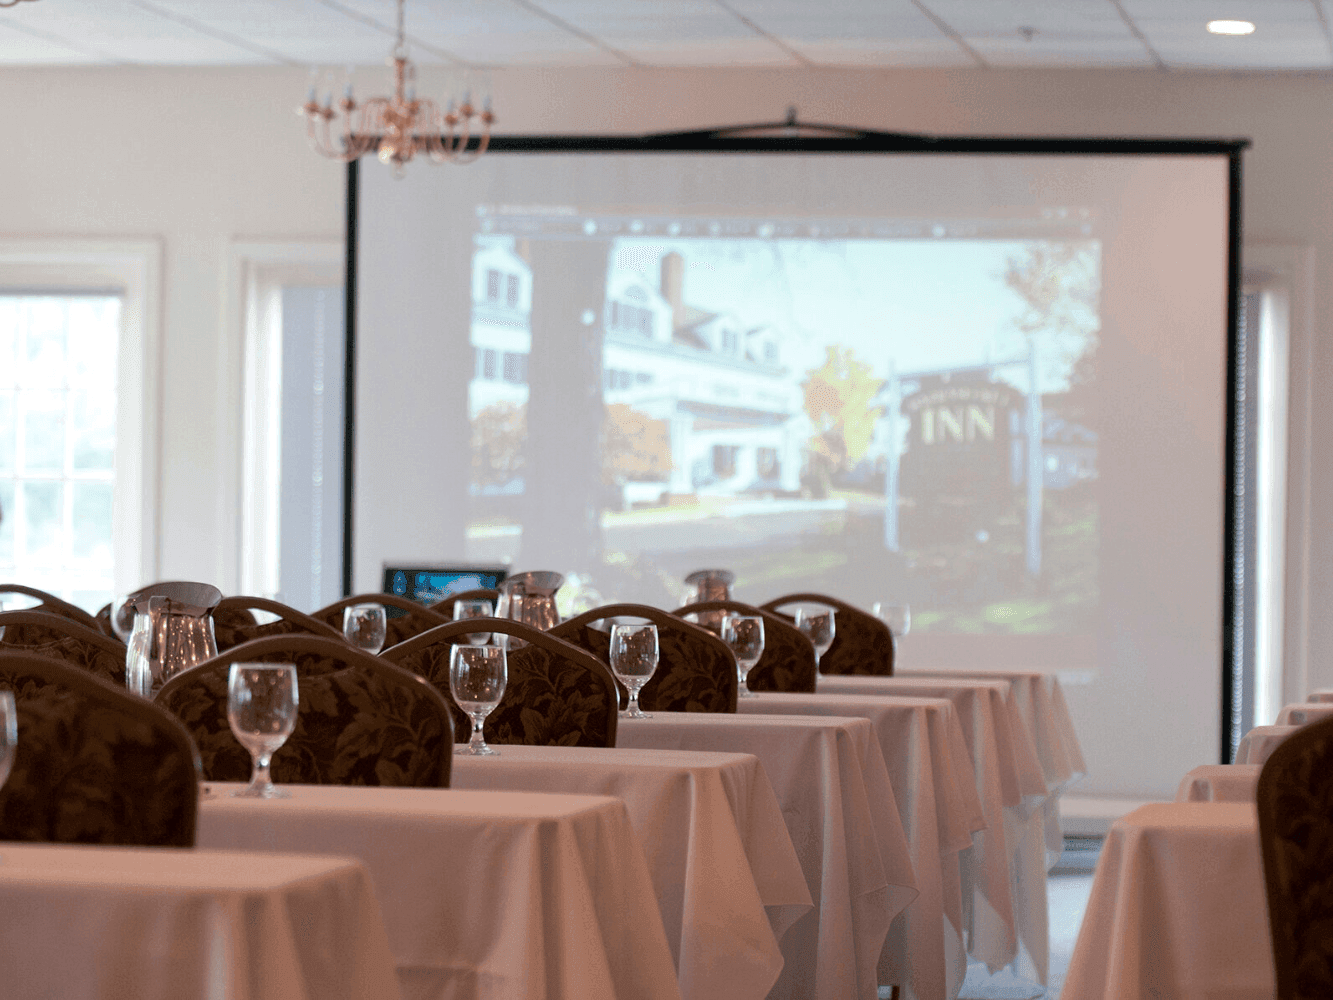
1059	284
498	433
635	447
838	398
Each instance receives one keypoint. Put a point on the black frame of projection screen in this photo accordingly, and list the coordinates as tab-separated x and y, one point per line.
788	138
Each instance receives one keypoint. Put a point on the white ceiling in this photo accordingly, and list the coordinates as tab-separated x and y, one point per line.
1164	34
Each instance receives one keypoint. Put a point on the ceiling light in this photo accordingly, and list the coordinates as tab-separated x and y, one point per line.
1231	27
397	128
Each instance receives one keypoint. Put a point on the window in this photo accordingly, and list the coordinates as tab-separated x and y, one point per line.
511	291
58	442
766	462
492	285
516	368
771	352
488	363
724	460
728	341
78	438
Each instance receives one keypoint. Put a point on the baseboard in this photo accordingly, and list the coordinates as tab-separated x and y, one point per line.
1081	816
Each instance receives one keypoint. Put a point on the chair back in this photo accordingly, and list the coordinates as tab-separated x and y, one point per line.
31	635
66	640
95	764
446	606
788	661
695	669
360	720
862	644
1294	798
234	622
414	620
556	694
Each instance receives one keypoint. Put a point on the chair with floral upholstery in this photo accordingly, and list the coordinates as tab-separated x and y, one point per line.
446	606
94	764
412	619
360	720
862	644
1294	798
234	622
64	639
31	635
556	695
695	670
788	661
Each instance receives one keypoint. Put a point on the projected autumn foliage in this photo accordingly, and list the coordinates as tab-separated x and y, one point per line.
838	397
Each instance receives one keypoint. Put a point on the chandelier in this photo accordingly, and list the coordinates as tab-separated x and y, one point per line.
397	128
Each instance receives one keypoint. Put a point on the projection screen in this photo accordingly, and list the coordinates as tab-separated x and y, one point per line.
987	383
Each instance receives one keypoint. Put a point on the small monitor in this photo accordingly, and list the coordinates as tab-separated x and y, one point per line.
429	584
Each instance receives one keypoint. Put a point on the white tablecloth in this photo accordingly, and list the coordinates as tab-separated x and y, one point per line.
1304	713
1220	783
1259	742
1042	705
1004	874
485	895
1177	909
169	924
727	878
838	804
930	773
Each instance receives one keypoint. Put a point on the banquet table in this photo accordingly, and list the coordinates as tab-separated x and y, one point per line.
727	878
485	895
171	924
1220	783
1177	909
930	774
838	803
1304	713
1004	873
1259	742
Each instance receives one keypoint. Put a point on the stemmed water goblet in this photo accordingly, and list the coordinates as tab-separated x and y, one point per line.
898	617
477	678
262	701
474	608
816	623
365	626
744	634
633	661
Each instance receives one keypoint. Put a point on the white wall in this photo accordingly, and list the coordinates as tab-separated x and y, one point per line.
200	158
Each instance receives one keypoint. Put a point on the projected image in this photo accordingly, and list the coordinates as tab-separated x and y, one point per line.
888	419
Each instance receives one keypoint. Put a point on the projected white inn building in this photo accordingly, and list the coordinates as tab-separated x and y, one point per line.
733	411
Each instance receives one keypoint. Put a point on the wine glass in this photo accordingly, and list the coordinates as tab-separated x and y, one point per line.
816	623
475	608
477	678
744	634
9	734
261	710
898	617
364	626
633	661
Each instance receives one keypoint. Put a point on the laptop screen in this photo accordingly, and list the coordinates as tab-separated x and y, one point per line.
429	584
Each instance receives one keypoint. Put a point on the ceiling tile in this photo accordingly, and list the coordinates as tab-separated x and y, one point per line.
124	31
1059	32
1288	34
855	32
